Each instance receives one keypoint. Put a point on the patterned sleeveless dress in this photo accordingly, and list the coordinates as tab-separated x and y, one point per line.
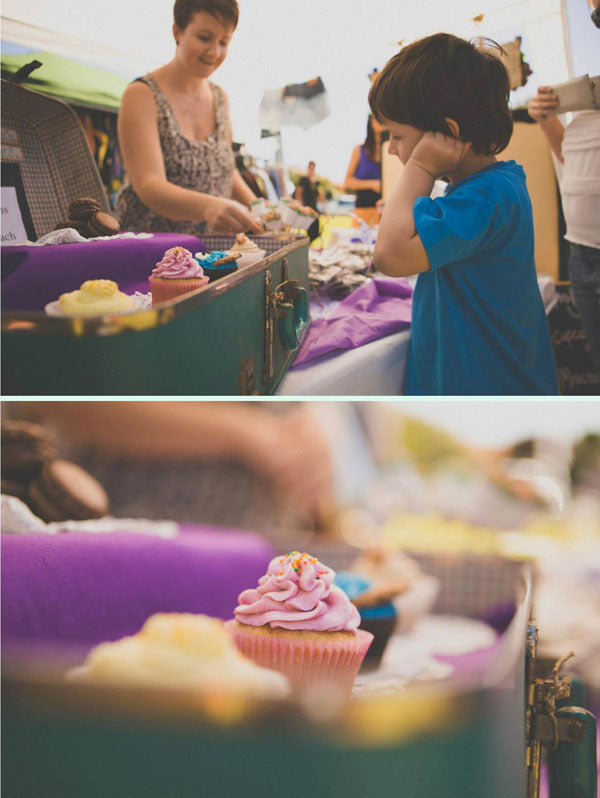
204	166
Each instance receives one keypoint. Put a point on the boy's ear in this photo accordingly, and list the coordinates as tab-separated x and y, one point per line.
453	125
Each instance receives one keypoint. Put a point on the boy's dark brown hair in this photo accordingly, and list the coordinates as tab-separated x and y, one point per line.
444	76
226	11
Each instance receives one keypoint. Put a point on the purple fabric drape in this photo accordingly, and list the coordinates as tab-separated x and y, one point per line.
34	276
376	309
78	588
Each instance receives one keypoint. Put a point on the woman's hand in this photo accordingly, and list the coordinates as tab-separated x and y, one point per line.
229	216
292	452
438	154
543	105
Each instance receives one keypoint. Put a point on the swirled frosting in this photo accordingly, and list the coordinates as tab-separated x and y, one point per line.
297	592
178	263
244	244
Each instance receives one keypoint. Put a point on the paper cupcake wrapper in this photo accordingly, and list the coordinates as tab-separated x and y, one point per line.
164	290
381	629
306	663
250	257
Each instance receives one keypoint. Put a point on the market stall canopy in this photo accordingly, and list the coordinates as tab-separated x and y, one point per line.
61	77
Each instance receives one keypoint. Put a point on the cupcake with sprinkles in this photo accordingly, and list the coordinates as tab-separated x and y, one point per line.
176	274
298	622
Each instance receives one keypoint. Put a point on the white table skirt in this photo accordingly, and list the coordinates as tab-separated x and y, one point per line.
374	369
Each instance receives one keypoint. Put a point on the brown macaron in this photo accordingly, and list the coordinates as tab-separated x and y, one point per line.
26	448
81	227
84	208
103	224
63	491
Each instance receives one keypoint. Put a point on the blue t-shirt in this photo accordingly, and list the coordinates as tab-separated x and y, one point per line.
478	320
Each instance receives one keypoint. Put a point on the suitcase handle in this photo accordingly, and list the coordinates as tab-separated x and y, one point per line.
286	325
292	316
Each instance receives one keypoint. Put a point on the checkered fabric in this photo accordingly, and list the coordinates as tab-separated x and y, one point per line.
470	584
270	244
44	136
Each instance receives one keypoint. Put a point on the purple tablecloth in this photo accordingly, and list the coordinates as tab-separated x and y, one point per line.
80	588
378	308
34	276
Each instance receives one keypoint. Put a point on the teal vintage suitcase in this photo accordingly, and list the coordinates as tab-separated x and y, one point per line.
467	741
237	335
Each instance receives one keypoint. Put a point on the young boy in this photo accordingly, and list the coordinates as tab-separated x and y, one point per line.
478	321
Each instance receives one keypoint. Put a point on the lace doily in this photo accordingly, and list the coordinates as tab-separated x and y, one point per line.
18	519
68	235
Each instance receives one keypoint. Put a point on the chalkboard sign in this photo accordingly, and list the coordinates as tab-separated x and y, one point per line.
577	375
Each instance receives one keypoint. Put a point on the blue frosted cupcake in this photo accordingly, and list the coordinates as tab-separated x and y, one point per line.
217	264
378	618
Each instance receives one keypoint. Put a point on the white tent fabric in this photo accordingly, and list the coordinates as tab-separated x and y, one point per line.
282	41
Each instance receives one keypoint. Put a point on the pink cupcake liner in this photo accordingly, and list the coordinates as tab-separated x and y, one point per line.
305	662
164	289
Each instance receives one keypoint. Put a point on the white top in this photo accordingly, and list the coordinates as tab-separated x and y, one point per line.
580	184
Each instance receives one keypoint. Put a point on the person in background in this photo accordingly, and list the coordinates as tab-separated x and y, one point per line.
478	320
577	147
175	135
309	192
229	463
364	172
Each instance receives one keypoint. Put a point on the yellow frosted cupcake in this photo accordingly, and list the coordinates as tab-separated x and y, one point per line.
180	650
95	298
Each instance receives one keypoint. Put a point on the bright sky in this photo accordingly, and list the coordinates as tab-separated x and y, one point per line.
290	41
501	422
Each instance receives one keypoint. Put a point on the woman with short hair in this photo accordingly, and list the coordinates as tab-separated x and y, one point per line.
175	135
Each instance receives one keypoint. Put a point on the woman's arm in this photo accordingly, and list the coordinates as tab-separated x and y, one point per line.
352	183
289	450
143	159
542	108
242	191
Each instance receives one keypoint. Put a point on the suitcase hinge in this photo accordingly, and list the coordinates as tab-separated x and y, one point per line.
546	725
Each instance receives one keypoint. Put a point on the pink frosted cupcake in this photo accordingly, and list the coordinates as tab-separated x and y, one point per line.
299	623
177	273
